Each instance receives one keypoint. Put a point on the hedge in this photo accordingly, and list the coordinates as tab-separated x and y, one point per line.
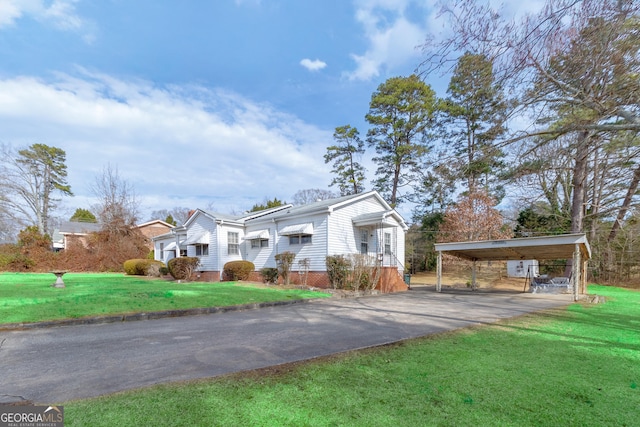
238	270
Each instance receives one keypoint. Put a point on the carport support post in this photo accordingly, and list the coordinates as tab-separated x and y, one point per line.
474	286
439	273
575	273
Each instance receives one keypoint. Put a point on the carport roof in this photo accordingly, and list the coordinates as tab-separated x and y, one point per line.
540	248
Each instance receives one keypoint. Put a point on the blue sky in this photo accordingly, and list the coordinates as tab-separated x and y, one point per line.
200	103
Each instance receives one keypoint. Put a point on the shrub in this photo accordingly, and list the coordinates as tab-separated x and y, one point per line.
183	267
338	269
237	270
269	275
16	262
285	260
364	272
142	267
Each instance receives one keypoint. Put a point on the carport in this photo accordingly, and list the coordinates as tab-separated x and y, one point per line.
565	246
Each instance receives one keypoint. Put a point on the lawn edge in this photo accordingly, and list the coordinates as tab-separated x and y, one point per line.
132	317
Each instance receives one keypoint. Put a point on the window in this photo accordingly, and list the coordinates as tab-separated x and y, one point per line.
233	243
259	243
202	250
387	243
299	239
364	242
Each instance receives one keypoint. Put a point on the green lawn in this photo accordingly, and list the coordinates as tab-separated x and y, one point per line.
27	297
575	366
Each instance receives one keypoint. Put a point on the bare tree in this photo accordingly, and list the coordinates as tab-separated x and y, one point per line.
179	214
117	208
310	195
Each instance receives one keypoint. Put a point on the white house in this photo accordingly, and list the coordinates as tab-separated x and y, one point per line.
358	224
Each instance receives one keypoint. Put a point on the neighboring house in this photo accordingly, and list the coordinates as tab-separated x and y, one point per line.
72	231
69	230
154	228
358	224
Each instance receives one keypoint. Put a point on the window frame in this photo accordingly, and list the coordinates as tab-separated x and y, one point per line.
300	239
387	243
259	243
364	242
233	243
203	249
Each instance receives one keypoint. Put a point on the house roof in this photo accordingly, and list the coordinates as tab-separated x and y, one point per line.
155	221
540	248
75	227
290	211
328	206
377	218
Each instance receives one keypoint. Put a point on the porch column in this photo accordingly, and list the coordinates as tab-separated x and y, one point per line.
583	277
575	272
474	286
439	273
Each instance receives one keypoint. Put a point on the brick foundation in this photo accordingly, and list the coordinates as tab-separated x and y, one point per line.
390	279
207	276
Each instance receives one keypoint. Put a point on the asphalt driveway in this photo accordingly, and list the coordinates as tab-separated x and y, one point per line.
54	365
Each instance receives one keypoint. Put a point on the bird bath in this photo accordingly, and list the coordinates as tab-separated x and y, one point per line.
59	283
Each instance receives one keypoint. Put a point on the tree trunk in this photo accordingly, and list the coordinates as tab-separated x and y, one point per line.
579	175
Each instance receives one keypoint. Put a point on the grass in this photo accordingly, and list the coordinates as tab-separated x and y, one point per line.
578	365
30	298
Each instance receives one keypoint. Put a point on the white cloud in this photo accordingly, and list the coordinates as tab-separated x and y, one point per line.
313	65
59	13
391	35
178	145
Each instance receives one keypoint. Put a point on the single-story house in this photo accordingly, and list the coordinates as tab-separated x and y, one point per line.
151	229
357	224
72	230
68	230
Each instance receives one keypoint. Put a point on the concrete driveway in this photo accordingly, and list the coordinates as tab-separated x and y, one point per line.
54	365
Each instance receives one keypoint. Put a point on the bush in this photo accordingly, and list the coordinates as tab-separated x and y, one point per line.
142	267
269	275
338	269
285	260
16	262
237	270
183	267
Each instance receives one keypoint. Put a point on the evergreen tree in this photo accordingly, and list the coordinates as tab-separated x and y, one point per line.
474	117
401	114
349	173
28	181
83	215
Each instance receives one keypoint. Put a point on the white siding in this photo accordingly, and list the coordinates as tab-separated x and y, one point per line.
344	237
316	251
260	257
163	242
223	244
203	224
